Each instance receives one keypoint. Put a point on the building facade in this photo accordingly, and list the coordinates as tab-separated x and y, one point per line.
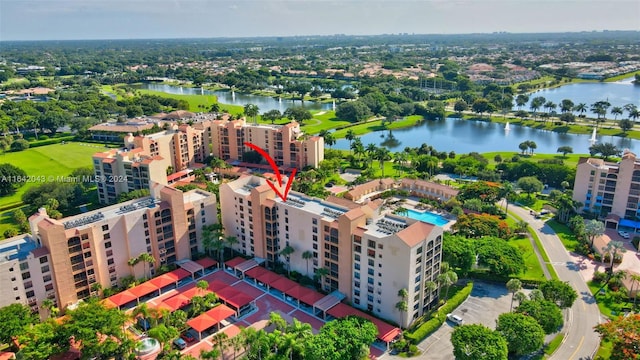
610	190
284	143
26	274
369	255
95	247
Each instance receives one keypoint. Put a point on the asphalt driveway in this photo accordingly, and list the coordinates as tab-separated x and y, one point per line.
484	305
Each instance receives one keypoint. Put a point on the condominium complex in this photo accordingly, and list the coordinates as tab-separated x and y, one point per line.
95	247
284	143
370	255
147	159
26	274
610	190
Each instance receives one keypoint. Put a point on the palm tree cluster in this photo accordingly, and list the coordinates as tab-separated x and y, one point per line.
213	240
145	258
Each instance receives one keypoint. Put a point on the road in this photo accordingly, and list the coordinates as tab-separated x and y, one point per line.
581	341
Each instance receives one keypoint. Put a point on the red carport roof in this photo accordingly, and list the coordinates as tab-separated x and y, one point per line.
201	322
176	302
256	272
235	262
194	291
217	285
227	293
163	280
386	332
240	300
268	277
143	289
122	298
283	284
220	313
178	274
207	262
309	296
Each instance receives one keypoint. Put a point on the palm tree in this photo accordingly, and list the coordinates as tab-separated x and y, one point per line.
329	139
307	255
615	111
536	295
520	297
371	150
635	279
236	344
446	280
220	340
286	252
132	263
299	329
202	285
521	100
50	306
277	321
613	247
350	136
320	274
230	241
382	154
147	259
581	108
251	110
634	114
358	148
212	354
402	304
513	285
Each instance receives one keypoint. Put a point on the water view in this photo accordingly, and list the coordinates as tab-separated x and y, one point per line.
618	93
265	103
463	136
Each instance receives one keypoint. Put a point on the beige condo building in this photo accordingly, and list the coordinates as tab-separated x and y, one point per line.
95	247
286	144
369	255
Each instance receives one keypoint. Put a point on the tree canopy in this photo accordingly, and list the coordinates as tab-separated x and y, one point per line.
559	292
523	333
546	313
342	339
473	342
623	333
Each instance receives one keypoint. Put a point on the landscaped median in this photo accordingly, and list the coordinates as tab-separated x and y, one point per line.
439	316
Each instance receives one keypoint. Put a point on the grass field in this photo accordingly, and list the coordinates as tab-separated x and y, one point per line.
55	160
570	160
533	269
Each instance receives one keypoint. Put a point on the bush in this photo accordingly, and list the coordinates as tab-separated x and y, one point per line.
43	137
439	316
45	142
599	277
19	145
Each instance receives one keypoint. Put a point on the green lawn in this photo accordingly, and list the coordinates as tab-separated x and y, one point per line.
322	120
56	160
604	351
570	160
533	270
361	129
196	100
607	305
565	234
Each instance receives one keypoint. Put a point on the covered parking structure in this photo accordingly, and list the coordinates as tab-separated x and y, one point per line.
123	300
386	332
192	267
175	302
210	318
170	280
239	266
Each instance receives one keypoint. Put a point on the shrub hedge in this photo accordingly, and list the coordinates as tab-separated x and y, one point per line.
439	316
56	140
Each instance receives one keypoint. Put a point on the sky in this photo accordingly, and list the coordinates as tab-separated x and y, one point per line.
144	19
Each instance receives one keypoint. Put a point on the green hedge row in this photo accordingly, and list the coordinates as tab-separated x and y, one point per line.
57	140
440	316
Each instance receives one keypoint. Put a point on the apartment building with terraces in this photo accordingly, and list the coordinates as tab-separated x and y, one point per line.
414	187
95	247
369	254
610	190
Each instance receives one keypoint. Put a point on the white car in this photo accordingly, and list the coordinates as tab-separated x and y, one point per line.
623	234
454	319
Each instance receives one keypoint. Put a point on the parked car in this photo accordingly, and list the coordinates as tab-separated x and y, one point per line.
189	336
624	234
179	343
454	319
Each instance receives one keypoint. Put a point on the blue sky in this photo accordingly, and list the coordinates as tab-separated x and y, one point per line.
131	19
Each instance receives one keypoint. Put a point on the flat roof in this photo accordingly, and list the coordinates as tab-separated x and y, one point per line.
195	195
109	212
17	247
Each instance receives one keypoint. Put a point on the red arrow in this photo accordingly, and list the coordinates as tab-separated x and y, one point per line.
276	171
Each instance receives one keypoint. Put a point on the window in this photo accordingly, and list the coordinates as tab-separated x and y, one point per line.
380	246
315	221
371	262
110	261
43	260
356	266
46	278
107	244
26	275
24	266
31	293
44	269
107	236
372	244
105	227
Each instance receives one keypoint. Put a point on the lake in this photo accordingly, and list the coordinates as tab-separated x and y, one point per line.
618	93
265	103
464	136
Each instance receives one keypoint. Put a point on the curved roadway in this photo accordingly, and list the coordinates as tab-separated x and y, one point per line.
580	341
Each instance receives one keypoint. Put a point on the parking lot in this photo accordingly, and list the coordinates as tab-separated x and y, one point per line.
486	302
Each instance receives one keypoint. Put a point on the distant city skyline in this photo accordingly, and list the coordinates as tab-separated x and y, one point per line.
144	19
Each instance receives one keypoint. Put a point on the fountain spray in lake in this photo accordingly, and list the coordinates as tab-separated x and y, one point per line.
593	136
507	127
334	105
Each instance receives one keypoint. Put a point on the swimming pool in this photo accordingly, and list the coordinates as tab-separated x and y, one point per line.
428	217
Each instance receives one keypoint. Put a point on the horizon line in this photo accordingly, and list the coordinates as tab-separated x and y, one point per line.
322	35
